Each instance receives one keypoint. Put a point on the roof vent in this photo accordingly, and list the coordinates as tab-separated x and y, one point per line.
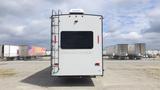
76	11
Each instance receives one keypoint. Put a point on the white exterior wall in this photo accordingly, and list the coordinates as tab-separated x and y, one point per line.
81	62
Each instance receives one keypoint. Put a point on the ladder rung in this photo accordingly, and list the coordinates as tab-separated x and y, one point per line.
55	49
56	58
55	25
55	17
56	45
55	33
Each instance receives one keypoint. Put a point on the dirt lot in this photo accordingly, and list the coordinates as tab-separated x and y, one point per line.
118	75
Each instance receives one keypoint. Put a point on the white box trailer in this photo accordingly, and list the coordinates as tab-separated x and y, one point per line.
110	50
122	50
136	51
119	51
9	51
76	44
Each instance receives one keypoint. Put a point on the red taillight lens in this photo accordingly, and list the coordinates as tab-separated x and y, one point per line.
17	51
97	64
55	39
98	39
56	64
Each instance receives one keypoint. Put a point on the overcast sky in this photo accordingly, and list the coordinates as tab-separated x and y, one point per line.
125	21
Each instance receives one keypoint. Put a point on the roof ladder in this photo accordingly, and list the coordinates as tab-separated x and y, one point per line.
55	41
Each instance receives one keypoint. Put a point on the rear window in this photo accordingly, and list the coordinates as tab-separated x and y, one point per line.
76	39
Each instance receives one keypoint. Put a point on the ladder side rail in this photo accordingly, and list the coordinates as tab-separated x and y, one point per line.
58	42
51	54
55	47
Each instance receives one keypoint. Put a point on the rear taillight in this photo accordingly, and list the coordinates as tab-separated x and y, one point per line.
55	39
56	64
98	39
97	64
17	51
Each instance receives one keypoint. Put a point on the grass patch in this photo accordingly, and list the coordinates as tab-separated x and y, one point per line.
154	72
7	72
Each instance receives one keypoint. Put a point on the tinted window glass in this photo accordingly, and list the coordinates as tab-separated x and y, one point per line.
76	39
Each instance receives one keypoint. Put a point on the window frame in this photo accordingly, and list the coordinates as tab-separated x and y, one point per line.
92	45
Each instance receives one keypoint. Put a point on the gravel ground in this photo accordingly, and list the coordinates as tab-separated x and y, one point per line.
118	75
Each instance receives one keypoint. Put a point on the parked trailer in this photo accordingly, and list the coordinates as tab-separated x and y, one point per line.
76	44
23	52
152	53
119	51
26	51
122	51
110	51
48	53
1	51
9	51
36	51
136	51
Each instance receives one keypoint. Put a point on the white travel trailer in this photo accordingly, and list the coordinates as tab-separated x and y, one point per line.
76	44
